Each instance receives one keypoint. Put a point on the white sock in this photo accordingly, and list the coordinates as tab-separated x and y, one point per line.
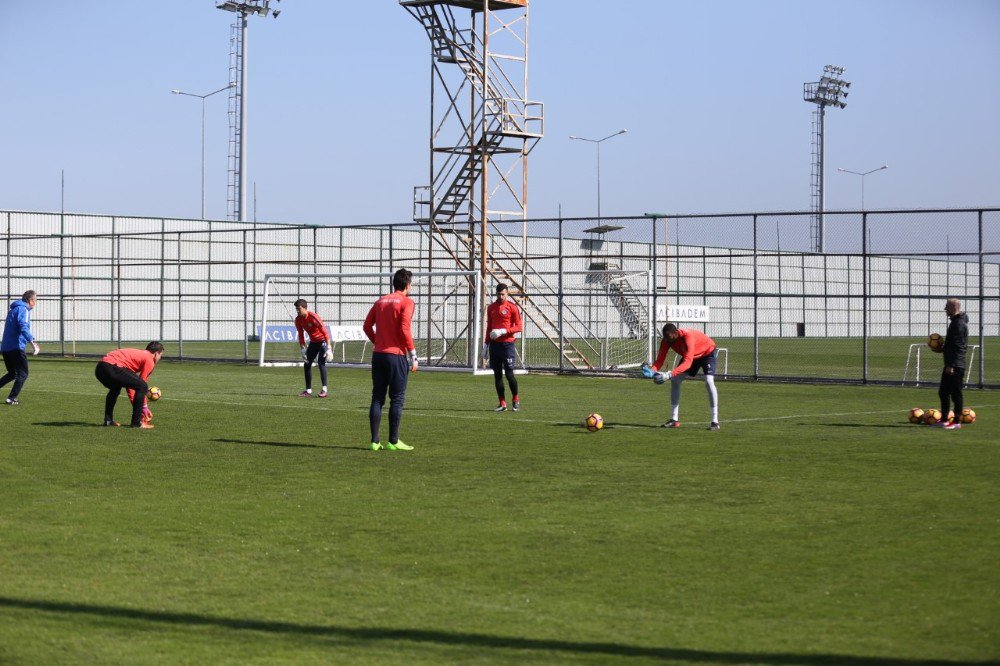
309	390
675	396
324	389
713	397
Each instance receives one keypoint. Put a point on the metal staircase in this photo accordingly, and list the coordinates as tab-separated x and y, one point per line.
628	304
489	118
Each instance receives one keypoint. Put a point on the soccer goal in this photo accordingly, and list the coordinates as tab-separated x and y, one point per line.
447	318
911	371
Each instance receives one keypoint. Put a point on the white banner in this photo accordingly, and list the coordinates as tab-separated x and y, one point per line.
681	313
346	333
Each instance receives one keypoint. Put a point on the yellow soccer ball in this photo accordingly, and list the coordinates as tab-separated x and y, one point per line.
968	416
154	393
936	342
594	422
916	415
932	416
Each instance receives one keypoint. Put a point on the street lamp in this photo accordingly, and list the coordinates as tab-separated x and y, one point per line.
202	98
863	174
598	142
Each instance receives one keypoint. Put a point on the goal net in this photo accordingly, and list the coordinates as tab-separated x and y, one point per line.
447	319
607	317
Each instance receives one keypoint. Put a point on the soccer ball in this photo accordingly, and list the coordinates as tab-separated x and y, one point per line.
932	416
936	342
594	422
153	393
968	416
916	415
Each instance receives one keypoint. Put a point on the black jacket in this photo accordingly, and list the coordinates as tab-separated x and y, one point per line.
955	341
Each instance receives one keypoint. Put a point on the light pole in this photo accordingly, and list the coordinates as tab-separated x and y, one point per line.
202	98
863	174
598	143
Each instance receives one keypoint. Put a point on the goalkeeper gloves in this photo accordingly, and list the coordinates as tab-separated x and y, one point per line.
661	377
303	350
647	371
497	332
486	350
414	363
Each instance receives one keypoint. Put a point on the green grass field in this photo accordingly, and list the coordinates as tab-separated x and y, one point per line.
251	526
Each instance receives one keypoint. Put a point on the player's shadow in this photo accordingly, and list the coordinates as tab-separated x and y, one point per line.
68	424
386	636
288	445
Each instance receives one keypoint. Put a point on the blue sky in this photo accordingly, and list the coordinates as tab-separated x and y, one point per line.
711	93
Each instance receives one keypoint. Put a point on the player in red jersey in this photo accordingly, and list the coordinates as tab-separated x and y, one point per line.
697	351
394	357
129	369
311	324
503	320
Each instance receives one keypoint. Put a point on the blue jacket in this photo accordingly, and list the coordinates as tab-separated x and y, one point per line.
17	329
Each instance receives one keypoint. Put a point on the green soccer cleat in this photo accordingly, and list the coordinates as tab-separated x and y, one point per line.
376	446
398	446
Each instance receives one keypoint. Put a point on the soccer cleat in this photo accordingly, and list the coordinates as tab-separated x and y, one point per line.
398	446
13	401
376	446
305	394
145	425
517	405
671	424
112	424
501	408
323	394
940	424
715	427
953	426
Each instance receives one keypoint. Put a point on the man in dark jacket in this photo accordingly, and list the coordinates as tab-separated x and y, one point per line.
16	337
953	376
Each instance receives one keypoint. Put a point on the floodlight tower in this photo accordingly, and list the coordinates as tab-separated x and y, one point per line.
830	90
237	191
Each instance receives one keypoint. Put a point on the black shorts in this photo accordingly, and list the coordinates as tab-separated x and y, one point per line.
316	351
706	364
503	356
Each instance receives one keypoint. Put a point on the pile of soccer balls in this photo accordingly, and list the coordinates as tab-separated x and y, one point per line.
932	416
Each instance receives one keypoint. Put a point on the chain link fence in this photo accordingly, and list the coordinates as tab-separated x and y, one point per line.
858	312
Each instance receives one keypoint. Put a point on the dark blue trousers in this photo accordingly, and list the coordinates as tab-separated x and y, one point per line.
16	362
389	373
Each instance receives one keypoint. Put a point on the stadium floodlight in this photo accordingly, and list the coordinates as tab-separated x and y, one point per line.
202	98
830	90
598	143
239	180
863	174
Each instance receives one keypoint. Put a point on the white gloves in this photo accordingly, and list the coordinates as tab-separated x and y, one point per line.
303	350
37	348
661	377
414	363
497	332
329	352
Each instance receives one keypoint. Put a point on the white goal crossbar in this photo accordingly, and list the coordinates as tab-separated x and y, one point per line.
445	337
913	362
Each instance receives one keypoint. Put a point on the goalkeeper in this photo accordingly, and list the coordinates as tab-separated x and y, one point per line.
697	351
311	324
503	320
128	369
393	359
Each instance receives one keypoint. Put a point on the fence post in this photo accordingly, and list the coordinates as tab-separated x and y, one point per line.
982	330
246	336
864	298
180	303
652	264
208	293
756	301
559	299
163	273
62	287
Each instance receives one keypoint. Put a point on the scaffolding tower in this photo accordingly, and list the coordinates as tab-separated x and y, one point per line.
830	90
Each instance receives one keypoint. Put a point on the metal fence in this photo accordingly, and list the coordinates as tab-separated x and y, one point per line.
782	311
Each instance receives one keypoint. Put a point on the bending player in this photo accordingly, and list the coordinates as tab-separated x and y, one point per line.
311	324
128	369
697	351
503	320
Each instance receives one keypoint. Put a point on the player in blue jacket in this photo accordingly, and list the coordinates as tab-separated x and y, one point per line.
16	336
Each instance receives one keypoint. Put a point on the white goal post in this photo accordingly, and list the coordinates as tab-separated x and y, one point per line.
447	320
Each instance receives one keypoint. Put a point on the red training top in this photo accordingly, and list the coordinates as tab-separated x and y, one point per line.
138	361
312	324
503	315
388	324
689	345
